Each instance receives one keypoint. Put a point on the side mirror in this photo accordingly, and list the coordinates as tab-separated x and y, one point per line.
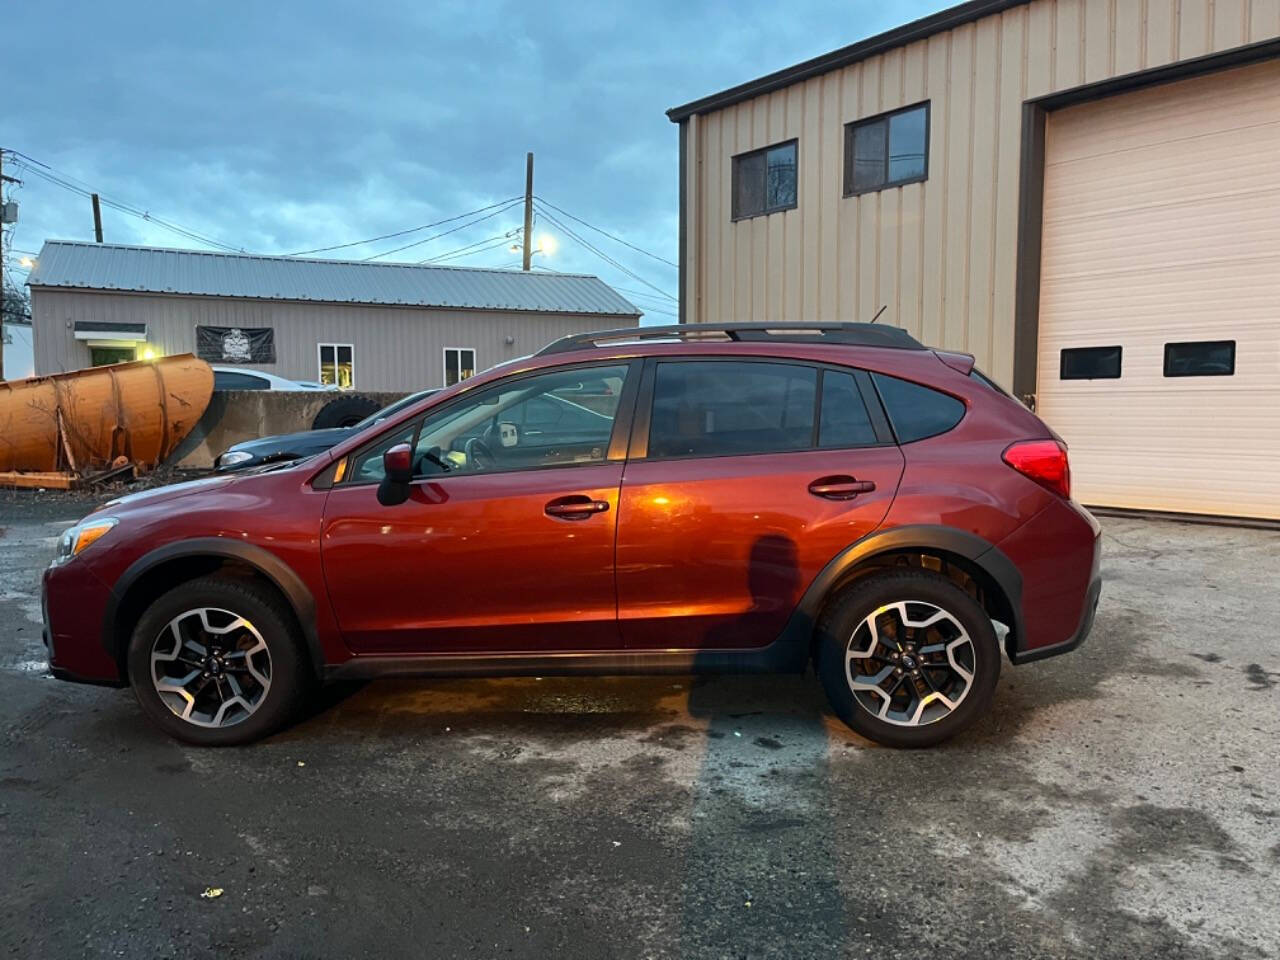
397	472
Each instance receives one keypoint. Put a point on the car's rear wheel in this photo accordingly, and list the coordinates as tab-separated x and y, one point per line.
908	658
217	662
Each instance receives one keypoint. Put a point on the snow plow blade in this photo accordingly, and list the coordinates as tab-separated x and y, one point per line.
62	429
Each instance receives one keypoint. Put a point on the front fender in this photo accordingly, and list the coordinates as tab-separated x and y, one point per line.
260	559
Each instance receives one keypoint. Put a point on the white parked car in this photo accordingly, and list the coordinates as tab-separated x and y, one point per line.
238	378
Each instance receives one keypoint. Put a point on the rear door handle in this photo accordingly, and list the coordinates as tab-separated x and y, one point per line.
575	507
840	487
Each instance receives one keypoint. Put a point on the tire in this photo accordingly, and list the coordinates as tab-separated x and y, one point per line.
929	635
265	646
344	412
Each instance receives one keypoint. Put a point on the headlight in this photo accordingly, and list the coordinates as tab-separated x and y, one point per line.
232	457
82	536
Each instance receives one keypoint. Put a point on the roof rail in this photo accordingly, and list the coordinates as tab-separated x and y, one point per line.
855	334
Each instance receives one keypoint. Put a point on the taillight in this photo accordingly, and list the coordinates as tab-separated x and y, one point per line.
1044	461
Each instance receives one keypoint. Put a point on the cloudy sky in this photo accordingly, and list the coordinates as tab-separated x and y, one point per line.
283	126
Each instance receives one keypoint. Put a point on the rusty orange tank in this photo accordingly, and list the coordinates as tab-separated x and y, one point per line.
84	421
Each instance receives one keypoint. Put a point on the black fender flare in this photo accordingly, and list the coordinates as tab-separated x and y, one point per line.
260	559
922	536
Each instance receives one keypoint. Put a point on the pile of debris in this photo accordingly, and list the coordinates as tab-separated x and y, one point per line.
103	424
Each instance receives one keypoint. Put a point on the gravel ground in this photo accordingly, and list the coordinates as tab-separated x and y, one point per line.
1122	801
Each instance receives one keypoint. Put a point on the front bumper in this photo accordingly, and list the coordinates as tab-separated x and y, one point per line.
73	602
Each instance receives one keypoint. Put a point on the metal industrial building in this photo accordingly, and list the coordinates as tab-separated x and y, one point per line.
367	326
1085	194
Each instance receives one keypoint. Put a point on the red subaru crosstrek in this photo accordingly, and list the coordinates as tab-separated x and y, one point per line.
734	498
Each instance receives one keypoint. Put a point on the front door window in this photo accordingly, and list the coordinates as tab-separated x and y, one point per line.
563	418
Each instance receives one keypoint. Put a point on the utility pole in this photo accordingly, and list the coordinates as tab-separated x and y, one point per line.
3	292
528	210
5	219
97	219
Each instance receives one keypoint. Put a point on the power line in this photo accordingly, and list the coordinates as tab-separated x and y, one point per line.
606	233
642	293
482	245
445	233
68	182
635	293
134	212
401	233
608	259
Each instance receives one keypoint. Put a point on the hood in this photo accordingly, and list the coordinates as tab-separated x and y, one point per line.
160	494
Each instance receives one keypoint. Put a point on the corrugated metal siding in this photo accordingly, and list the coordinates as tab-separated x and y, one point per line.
941	254
153	270
1162	225
396	348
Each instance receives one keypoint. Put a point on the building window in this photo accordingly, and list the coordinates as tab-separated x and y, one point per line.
102	356
764	181
886	151
1204	358
459	363
338	365
1089	363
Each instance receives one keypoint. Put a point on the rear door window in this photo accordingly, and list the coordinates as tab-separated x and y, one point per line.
917	412
717	408
844	421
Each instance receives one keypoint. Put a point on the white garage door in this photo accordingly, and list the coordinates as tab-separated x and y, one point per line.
1159	351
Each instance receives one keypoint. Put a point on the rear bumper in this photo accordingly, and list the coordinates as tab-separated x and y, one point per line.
1018	657
1059	554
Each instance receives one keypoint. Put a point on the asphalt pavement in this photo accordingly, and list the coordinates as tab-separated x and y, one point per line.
1121	801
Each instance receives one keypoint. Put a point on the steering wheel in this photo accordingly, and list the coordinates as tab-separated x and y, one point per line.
434	457
479	456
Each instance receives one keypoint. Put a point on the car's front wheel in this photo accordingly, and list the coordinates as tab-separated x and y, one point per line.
908	658
216	662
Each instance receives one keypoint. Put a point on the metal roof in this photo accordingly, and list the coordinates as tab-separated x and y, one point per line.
947	19
115	267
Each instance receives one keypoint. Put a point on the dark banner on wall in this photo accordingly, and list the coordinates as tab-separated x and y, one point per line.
236	344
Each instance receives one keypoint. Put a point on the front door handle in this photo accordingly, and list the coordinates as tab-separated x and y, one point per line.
575	507
840	487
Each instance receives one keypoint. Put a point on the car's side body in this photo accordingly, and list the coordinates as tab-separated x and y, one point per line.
717	563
